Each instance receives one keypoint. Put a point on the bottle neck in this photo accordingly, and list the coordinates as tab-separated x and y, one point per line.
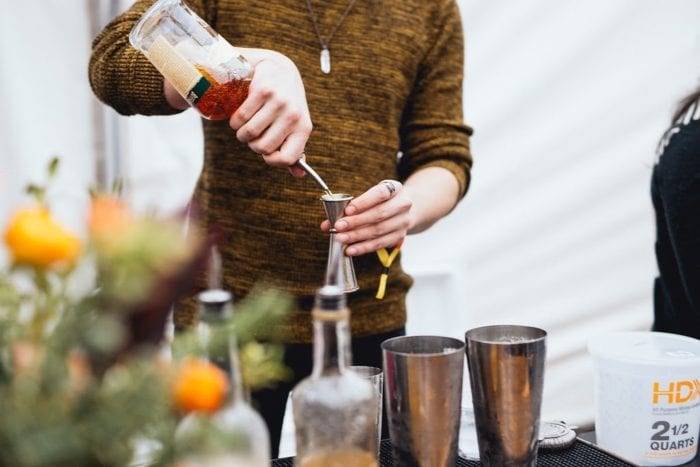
332	352
238	391
225	358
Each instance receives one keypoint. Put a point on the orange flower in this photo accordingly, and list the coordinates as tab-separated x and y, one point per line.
199	386
108	215
33	237
26	357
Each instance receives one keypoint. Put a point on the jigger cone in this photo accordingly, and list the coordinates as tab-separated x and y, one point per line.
334	205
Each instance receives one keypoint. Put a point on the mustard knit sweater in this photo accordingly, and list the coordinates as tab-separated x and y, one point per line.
396	86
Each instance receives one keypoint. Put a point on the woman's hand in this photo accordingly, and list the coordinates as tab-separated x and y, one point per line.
274	119
379	218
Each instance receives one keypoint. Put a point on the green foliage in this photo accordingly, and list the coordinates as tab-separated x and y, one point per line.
52	168
128	267
262	363
38	192
77	387
55	414
10	301
63	425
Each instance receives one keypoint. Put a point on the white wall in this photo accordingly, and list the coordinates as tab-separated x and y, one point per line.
46	105
47	110
567	99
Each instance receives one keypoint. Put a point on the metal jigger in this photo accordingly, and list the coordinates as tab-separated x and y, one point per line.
334	205
506	369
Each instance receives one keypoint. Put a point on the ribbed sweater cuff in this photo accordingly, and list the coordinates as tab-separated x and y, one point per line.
456	168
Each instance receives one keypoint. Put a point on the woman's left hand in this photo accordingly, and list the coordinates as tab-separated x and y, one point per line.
379	218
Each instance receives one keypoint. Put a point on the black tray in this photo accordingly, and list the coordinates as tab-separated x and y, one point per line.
581	454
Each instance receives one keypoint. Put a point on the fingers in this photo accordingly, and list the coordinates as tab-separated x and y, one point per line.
377	213
374	231
248	108
273	137
290	151
274	119
382	220
381	192
260	122
297	172
375	244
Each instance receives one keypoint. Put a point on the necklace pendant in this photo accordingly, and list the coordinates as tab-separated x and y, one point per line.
325	60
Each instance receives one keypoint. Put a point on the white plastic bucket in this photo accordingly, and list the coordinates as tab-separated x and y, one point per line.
647	390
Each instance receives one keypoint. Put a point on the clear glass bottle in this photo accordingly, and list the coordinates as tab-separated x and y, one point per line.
248	441
200	64
334	408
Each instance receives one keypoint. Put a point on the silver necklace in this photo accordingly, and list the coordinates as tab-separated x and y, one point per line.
325	50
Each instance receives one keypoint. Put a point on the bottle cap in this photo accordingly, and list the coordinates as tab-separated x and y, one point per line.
330	298
214	303
215	296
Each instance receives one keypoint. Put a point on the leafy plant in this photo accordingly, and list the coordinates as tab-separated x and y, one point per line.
82	377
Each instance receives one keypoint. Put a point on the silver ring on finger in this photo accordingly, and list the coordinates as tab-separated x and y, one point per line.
389	186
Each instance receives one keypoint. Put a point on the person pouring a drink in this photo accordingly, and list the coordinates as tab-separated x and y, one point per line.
370	92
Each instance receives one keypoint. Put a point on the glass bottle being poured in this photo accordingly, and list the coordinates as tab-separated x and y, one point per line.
237	421
334	408
204	68
201	65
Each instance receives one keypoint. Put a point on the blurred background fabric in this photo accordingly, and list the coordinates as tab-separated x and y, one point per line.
568	100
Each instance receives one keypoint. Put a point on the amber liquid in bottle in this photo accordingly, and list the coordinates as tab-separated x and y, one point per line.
221	100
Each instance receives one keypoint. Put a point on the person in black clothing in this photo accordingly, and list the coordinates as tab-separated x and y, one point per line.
675	191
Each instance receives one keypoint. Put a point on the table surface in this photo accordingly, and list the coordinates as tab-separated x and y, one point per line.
581	454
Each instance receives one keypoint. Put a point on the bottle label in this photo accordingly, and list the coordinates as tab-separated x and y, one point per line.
179	71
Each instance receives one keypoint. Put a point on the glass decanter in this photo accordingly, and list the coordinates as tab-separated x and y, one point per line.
248	441
202	66
334	408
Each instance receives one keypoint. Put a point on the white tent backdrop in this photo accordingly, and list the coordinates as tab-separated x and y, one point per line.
46	107
567	99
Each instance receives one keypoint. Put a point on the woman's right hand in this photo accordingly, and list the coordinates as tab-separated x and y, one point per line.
274	119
